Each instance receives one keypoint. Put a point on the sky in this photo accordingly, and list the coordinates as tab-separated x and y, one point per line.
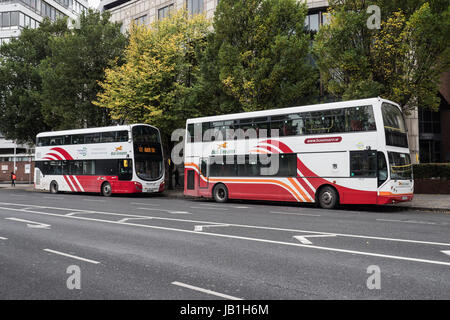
93	3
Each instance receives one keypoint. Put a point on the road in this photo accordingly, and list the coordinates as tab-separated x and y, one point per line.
153	247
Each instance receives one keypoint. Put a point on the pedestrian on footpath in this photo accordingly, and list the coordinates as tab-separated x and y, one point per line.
13	179
177	178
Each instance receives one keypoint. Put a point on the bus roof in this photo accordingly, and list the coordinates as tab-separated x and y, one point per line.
265	113
91	130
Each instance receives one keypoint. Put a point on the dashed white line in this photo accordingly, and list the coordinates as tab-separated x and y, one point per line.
3	238
145	204
211	209
297	214
214	293
165	210
94	200
409	221
200	228
71	256
54	198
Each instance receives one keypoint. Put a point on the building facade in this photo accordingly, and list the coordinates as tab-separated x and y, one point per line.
18	158
18	14
429	135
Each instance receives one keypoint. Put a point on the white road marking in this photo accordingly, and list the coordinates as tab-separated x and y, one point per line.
214	293
74	213
3	238
371	254
211	209
71	256
303	239
94	200
17	195
238	207
200	228
126	219
410	221
447	252
168	211
145	204
297	214
214	222
53	198
31	224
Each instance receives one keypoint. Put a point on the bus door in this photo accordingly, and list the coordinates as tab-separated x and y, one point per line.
203	181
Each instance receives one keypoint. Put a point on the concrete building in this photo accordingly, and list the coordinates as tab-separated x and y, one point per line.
18	14
429	135
16	157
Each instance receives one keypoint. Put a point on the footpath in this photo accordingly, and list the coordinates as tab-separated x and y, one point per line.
427	202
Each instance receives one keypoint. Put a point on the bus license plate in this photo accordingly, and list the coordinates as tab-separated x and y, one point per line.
404	198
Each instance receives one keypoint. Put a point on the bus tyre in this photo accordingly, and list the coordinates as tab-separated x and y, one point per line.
106	189
328	197
220	193
54	187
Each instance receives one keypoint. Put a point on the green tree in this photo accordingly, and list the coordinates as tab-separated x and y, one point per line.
154	84
21	115
402	61
71	74
257	57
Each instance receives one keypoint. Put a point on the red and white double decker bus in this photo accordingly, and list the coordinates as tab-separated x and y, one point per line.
118	159
352	152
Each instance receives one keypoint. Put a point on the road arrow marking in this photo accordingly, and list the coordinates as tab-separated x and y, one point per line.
447	252
200	228
31	224
303	239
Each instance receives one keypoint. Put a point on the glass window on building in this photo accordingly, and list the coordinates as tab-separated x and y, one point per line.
194	6
141	20
165	12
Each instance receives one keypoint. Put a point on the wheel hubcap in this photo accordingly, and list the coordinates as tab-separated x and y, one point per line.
327	197
221	194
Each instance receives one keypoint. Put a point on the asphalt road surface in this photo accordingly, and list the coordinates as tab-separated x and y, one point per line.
83	246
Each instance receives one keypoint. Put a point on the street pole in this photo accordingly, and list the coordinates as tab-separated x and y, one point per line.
14	159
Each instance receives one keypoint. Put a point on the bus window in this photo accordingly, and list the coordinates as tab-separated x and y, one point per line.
125	169
363	164
382	168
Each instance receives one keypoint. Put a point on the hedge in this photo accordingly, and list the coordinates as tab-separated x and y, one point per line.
431	170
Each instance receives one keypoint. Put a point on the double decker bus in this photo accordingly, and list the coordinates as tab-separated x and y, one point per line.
116	159
352	152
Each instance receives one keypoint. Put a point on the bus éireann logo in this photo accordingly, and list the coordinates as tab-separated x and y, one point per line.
222	146
118	151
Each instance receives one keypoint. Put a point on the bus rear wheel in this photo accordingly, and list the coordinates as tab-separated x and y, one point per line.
54	187
328	197
106	189
220	193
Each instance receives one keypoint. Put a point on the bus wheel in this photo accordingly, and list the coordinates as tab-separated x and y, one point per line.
106	189
328	197
220	193
54	187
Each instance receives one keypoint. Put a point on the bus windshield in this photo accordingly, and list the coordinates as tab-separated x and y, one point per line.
400	165
147	152
394	126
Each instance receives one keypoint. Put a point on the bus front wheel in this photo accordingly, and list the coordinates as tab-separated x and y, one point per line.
106	189
220	193
54	187
328	197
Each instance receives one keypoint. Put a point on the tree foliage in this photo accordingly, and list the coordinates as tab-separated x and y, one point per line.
402	61
70	75
49	75
257	57
154	84
21	115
